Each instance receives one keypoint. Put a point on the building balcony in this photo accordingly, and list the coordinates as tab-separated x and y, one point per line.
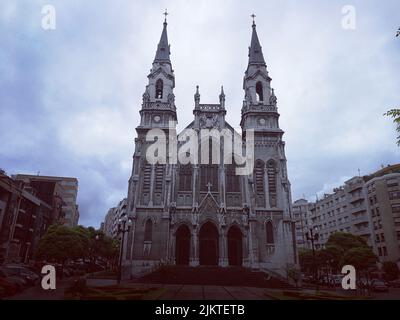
359	208
362	231
357	197
360	219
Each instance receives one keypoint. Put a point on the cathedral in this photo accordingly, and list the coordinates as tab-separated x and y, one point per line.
196	213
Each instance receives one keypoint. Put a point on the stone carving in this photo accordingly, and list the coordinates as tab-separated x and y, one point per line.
272	98
171	98
209	121
146	96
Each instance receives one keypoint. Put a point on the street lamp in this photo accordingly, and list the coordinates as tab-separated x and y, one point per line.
312	236
124	225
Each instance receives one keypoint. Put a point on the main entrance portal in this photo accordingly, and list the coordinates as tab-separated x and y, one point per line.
182	245
208	240
235	246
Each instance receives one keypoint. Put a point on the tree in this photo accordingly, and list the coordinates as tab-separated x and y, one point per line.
391	270
306	260
395	114
60	244
346	248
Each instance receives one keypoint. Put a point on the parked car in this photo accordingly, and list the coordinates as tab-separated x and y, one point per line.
395	283
379	286
30	277
19	281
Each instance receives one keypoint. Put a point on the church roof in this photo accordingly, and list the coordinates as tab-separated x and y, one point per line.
255	51
163	50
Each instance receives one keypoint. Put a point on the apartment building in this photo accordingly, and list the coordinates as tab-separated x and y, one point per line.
111	220
67	188
383	191
367	206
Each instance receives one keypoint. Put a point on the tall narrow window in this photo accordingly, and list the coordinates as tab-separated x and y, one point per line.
269	232
146	167
232	179
259	91
209	173
258	179
271	169
159	89
185	178
159	177
148	230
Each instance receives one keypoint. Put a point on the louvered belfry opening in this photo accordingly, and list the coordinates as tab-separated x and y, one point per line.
259	183
271	169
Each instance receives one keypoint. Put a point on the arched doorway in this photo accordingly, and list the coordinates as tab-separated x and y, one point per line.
182	245
208	240
235	253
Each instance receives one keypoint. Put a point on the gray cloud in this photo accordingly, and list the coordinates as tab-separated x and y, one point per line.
69	98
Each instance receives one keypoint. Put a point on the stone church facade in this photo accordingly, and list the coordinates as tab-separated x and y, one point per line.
205	214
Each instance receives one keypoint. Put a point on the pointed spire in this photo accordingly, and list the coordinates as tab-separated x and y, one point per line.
197	95
222	97
255	51
163	49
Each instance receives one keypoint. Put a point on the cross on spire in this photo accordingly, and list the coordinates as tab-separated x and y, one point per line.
209	185
165	14
253	16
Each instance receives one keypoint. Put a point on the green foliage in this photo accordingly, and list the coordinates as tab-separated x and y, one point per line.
395	114
391	270
340	249
346	248
306	259
61	243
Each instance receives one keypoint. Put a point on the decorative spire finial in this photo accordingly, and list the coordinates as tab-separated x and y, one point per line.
253	16
197	97
165	14
222	97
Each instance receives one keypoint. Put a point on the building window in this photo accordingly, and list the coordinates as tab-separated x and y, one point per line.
232	179
259	177
384	251
209	172
148	230
146	169
396	208
185	178
382	237
394	195
159	89
271	171
259	91
159	177
269	232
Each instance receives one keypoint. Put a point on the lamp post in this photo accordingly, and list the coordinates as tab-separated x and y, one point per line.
313	236
124	225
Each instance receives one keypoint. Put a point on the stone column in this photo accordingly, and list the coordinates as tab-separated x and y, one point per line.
194	248
222	252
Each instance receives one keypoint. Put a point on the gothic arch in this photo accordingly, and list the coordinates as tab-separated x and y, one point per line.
259	91
269	232
183	238
208	243
153	220
159	89
235	245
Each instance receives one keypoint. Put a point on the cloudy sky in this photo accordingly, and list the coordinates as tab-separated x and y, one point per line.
69	97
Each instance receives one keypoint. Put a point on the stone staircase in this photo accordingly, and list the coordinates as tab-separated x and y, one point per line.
213	275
